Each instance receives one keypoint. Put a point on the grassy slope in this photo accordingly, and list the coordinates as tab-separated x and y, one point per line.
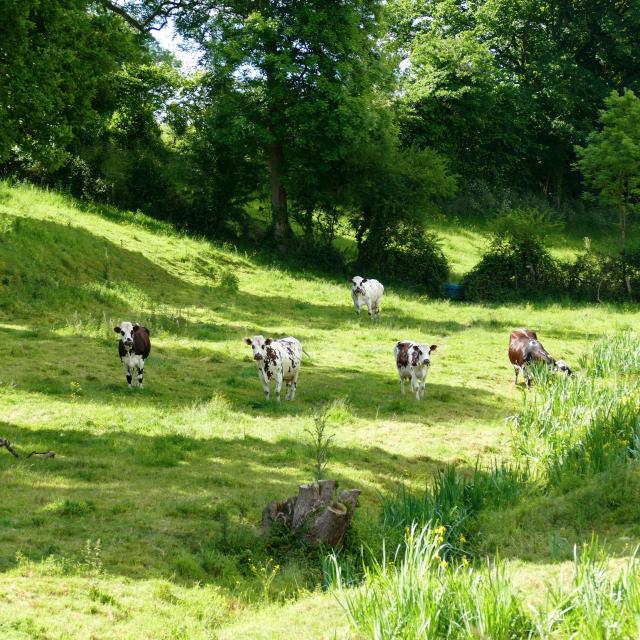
167	476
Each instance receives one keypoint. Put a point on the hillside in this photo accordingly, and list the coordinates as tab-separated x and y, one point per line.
144	524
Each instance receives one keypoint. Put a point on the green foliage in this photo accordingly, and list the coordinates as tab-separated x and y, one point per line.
320	440
229	281
451	505
618	354
610	160
595	604
417	594
517	265
507	89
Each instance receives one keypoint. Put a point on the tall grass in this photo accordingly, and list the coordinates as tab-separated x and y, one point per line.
576	426
595	605
451	503
417	594
616	354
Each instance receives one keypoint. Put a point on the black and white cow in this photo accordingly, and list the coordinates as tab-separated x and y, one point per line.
277	360
413	361
525	349
133	347
369	292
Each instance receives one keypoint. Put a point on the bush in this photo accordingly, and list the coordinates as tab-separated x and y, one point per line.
514	267
597	276
414	258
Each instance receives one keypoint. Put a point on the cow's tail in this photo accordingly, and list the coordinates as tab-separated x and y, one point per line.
306	354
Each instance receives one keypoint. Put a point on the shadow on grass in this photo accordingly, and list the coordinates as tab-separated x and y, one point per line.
151	500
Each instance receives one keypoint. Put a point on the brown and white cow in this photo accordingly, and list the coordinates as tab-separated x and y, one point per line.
413	361
133	347
369	292
277	360
524	349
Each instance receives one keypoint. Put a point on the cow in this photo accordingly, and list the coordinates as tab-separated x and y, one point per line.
413	361
524	349
277	360
369	292
133	347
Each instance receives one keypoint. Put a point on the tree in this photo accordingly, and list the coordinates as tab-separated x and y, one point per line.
507	88
53	56
296	71
610	161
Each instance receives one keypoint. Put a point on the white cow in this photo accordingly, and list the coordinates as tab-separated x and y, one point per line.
369	292
413	361
279	360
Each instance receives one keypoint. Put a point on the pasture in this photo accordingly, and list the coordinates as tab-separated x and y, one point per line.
145	524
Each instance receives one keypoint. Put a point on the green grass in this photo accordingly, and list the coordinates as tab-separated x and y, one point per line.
166	484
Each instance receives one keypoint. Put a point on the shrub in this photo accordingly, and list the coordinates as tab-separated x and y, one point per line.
513	267
414	257
598	276
229	281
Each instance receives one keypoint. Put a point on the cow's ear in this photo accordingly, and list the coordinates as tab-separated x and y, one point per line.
117	329
433	347
248	341
136	327
268	341
364	280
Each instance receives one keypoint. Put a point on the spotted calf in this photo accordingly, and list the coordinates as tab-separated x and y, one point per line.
413	361
133	347
277	360
368	292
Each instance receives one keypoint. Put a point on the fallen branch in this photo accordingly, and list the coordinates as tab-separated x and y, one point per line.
7	445
43	454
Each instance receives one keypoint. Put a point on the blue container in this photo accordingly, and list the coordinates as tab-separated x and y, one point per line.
453	291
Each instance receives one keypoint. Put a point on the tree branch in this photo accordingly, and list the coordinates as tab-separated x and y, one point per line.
163	10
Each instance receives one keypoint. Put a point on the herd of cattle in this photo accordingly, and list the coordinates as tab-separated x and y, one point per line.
280	360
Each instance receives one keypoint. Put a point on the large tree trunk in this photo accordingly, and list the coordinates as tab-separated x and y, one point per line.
314	513
281	227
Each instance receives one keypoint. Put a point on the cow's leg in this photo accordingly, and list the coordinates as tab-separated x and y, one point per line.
140	376
402	385
370	307
516	370
527	376
279	378
128	374
294	386
377	310
415	386
265	384
356	304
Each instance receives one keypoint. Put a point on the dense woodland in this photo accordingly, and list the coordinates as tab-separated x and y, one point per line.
361	117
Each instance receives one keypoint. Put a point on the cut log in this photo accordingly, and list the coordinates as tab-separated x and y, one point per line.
314	513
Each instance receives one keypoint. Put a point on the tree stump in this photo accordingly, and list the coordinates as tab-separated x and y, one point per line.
314	513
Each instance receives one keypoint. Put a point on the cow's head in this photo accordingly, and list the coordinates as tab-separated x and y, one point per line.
535	352
356	284
259	346
420	355
126	331
562	366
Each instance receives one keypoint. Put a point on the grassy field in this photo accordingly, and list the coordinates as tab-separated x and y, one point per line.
145	523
